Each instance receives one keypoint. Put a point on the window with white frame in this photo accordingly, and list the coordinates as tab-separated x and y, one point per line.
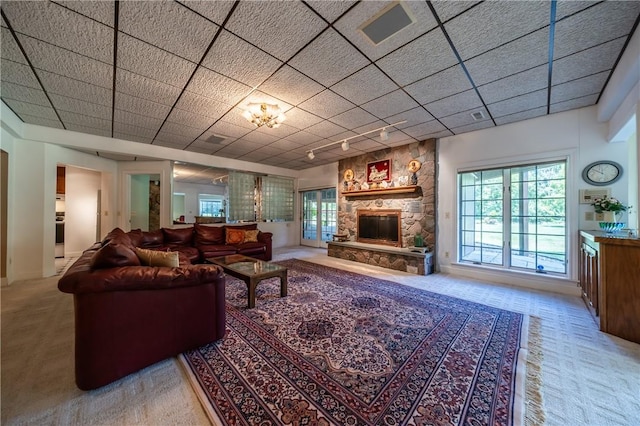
211	205
514	217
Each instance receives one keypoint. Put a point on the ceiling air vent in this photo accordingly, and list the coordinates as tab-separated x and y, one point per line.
477	116
387	22
215	139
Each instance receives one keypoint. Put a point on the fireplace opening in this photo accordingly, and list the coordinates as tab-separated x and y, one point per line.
379	227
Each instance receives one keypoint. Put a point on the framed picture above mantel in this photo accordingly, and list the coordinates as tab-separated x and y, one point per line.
379	171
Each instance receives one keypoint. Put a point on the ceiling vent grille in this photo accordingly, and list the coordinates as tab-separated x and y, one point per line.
387	22
477	116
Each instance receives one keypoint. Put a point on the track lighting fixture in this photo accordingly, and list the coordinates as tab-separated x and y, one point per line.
345	145
384	135
311	155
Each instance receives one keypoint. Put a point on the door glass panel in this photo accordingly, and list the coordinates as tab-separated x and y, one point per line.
328	213
309	215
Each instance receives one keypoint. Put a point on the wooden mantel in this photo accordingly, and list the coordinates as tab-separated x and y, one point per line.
382	191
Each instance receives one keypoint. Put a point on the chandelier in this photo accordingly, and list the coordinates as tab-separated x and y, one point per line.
264	115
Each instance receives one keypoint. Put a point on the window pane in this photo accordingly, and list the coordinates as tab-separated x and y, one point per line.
277	199
241	189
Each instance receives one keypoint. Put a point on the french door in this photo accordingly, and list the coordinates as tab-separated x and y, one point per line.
319	217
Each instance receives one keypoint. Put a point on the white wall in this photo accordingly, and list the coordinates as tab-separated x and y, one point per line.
81	202
575	135
319	177
139	214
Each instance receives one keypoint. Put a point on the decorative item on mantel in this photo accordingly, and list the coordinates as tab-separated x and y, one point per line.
413	167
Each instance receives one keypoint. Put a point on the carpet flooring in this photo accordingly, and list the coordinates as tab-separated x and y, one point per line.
588	377
345	348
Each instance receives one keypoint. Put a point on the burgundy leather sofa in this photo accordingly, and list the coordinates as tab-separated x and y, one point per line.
199	242
129	316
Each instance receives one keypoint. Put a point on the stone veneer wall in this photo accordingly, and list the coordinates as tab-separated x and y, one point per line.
418	209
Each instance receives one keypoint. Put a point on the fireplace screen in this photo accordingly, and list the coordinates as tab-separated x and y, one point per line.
379	227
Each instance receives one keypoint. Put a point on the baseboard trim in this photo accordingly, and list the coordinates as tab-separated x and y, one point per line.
532	281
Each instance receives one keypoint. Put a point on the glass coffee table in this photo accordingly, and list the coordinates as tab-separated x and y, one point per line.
251	271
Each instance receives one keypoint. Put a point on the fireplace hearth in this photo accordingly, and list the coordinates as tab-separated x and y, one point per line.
379	227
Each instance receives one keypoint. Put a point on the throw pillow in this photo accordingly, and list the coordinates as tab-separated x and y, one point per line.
112	255
234	236
158	258
251	236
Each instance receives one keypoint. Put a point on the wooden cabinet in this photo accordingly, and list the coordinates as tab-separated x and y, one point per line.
610	282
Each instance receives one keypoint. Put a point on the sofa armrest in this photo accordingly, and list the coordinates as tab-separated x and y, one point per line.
265	237
129	278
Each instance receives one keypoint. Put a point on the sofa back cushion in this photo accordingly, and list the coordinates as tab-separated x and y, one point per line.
114	234
136	237
152	239
208	235
114	254
158	258
180	236
250	227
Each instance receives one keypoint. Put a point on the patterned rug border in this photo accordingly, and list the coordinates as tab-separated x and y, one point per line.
528	407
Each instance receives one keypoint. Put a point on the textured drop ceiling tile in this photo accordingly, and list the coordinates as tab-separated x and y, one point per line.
9	48
568	7
145	88
413	117
191	119
202	105
215	12
24	94
20	107
326	104
463	119
329	58
227	129
282	131
437	135
137	120
445	83
169	26
424	129
508	59
520	116
101	11
133	138
239	147
461	102
215	139
519	103
325	129
301	119
40	121
129	129
133	104
376	83
261	138
493	23
64	103
291	86
61	27
269	151
79	119
419	59
89	130
447	9
574	103
331	9
391	104
368	144
514	85
587	62
61	85
348	25
218	87
303	138
353	118
473	126
596	25
234	116
14	72
191	133
144	59
172	140
279	28
196	147
234	57
590	85
285	144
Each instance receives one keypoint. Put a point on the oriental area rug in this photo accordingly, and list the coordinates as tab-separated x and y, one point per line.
349	349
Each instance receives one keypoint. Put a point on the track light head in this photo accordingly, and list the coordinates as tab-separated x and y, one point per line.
311	155
384	135
345	145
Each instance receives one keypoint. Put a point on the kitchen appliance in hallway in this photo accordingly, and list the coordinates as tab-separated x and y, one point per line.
60	209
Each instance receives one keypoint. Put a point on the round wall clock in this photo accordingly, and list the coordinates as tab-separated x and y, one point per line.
348	175
601	173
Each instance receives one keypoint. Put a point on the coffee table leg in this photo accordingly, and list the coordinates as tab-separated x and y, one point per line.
283	284
251	286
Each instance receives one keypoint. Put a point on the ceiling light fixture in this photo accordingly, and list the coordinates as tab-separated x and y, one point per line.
384	135
264	115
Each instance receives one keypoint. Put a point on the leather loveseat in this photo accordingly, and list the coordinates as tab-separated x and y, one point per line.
129	316
200	242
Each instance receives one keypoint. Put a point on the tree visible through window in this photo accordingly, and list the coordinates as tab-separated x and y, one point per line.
515	217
